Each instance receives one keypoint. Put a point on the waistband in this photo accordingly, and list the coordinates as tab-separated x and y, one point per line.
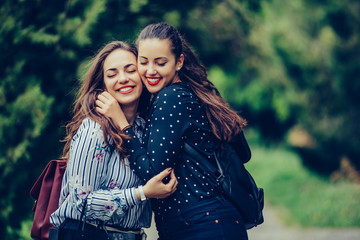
116	229
74	224
199	205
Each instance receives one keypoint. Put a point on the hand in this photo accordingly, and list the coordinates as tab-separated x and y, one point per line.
107	105
155	188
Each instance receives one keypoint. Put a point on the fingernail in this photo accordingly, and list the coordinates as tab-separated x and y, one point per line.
169	169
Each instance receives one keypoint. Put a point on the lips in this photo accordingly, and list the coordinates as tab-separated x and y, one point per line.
126	89
153	80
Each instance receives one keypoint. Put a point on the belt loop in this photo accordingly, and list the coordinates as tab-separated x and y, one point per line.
106	231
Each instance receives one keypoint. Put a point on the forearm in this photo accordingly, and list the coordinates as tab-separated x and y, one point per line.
146	160
106	203
121	121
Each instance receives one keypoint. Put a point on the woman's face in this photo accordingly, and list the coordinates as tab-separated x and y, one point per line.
157	64
121	77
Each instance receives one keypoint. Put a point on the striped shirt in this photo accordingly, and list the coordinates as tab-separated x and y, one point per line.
96	172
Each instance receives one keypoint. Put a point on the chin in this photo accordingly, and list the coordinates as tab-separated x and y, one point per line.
153	89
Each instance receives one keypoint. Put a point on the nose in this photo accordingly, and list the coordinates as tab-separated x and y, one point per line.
123	78
151	69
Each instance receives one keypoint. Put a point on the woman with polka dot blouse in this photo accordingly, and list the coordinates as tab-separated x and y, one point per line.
186	108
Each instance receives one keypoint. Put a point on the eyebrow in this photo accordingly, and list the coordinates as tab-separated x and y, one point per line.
129	65
158	58
125	67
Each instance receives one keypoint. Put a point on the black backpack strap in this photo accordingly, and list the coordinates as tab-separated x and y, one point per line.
205	163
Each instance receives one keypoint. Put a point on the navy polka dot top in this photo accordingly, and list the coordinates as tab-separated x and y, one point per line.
175	117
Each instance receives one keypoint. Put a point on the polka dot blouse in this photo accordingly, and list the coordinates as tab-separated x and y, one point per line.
175	117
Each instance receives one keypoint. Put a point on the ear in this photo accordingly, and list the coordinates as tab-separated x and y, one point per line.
180	61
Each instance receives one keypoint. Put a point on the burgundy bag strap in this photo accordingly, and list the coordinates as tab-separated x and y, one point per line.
46	191
35	190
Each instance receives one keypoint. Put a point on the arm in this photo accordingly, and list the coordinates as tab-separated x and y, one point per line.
87	172
163	147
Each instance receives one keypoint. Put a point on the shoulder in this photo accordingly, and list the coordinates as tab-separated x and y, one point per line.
89	124
88	127
175	88
178	92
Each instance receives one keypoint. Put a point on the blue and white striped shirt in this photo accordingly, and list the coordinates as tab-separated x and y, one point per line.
96	172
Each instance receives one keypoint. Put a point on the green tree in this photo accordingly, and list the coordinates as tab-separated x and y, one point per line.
302	70
282	63
41	48
316	45
44	47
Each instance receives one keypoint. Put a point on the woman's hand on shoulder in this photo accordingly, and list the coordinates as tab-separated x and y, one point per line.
107	105
155	188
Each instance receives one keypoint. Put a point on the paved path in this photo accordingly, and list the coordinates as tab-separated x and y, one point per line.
151	232
274	229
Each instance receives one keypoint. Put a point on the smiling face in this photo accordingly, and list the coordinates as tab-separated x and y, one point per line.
157	64
121	77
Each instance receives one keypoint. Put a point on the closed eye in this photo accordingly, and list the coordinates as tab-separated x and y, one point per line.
130	68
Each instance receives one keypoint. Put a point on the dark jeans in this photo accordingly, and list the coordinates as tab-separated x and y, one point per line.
215	218
69	228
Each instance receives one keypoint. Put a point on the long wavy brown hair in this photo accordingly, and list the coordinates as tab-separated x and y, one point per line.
225	123
84	106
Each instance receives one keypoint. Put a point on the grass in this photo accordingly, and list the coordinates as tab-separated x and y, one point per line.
303	197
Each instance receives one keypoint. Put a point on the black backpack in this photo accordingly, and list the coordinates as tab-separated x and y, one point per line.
233	180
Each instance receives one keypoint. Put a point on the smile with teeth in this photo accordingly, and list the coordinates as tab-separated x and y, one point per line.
126	89
153	80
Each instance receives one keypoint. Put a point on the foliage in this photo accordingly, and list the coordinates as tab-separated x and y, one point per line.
302	196
282	63
44	48
39	56
302	71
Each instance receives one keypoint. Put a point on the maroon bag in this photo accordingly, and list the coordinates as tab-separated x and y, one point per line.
46	192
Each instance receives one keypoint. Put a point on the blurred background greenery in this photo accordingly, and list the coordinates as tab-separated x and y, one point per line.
292	68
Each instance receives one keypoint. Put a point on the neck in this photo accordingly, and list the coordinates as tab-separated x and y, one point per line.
130	113
176	79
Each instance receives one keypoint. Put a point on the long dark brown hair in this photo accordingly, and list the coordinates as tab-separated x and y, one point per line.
84	106
225	122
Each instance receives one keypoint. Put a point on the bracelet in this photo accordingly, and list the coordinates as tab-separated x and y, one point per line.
142	194
127	127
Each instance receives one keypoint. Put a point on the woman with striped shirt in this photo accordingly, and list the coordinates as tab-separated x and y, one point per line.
98	175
